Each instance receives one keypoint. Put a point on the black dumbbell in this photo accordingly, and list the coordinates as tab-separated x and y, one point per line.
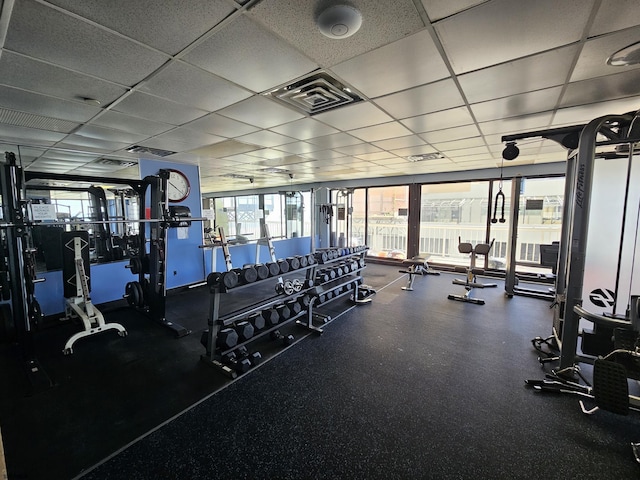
308	283
311	260
283	312
294	263
321	257
274	269
304	300
303	260
247	274
227	338
322	277
321	298
284	266
339	271
270	316
244	331
262	270
288	340
257	320
254	357
332	273
240	365
224	279
294	307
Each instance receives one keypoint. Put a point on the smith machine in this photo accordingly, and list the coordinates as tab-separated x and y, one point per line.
21	312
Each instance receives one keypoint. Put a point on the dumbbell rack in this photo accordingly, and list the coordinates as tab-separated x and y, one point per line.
347	284
214	355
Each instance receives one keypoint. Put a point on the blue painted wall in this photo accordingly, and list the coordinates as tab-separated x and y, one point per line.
185	260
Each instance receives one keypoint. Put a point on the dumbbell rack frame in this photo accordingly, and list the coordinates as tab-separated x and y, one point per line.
213	356
215	322
353	277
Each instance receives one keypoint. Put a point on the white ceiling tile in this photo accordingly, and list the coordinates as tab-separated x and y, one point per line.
454	117
361	114
486	35
166	25
183	83
222	126
406	63
224	149
299	147
294	20
266	153
171	144
437	9
120	121
516	124
517	105
381	132
335	140
27	74
148	106
419	150
400	142
467	152
610	87
248	55
94	143
271	113
536	72
23	101
20	134
615	15
378	156
586	113
323	155
103	133
451	134
304	129
424	99
358	149
193	138
72	43
265	138
594	55
458	144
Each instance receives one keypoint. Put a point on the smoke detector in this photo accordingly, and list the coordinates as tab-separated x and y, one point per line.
339	21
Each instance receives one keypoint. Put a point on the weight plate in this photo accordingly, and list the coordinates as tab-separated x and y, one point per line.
135	265
35	313
140	294
131	294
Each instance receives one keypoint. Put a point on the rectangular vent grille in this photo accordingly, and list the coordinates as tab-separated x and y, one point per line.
153	151
116	163
316	93
29	120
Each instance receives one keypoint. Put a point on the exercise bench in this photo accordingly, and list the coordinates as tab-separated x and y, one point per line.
416	266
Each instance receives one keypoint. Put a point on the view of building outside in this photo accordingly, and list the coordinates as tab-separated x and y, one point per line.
387	221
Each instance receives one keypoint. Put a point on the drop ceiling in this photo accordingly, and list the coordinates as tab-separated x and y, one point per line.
196	78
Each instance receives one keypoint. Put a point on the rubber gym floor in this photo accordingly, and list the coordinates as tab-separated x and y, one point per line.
410	386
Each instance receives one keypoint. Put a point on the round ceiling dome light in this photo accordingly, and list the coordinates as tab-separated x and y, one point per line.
339	21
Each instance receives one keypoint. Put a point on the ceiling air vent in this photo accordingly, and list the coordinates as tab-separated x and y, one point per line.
316	93
153	151
425	156
276	170
116	163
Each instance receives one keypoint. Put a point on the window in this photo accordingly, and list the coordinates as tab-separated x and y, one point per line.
388	221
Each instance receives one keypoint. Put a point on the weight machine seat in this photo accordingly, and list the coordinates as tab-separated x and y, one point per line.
415	261
483	248
466	248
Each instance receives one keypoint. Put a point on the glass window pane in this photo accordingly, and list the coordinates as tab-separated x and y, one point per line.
450	211
247	218
358	217
226	215
273	214
387	221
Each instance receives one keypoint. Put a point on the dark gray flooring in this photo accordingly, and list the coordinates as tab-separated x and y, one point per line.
411	386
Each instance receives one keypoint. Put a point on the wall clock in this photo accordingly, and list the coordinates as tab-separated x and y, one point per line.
178	186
